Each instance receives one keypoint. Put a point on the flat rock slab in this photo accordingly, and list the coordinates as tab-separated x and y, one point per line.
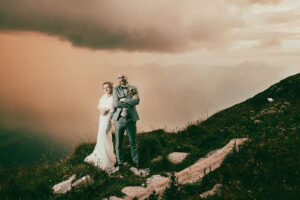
156	179
83	181
112	198
177	157
133	191
211	192
67	185
208	163
64	186
204	165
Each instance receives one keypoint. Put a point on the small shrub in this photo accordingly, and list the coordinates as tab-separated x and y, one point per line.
172	192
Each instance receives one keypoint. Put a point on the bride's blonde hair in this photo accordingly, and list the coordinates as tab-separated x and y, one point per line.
108	83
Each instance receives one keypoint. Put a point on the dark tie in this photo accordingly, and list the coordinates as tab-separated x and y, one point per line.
124	110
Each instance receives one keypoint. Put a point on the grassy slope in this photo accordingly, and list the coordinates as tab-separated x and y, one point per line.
267	167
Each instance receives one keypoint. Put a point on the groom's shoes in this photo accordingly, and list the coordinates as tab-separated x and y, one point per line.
137	166
120	165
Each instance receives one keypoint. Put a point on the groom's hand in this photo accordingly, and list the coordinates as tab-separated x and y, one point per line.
135	96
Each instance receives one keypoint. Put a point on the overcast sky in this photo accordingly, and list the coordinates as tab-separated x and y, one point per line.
188	59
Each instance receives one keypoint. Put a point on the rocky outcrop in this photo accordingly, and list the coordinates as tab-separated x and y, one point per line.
211	192
155	179
134	191
64	186
177	157
191	174
67	185
83	181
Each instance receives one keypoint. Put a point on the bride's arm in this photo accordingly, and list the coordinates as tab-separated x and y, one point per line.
101	109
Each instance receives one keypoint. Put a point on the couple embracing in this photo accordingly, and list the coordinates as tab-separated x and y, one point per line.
117	104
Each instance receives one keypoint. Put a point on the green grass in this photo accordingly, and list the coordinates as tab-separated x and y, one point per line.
266	167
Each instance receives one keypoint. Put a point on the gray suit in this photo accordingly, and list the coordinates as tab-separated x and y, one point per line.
127	122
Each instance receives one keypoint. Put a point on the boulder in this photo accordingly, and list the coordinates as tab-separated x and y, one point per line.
83	181
64	186
177	157
155	179
133	191
188	175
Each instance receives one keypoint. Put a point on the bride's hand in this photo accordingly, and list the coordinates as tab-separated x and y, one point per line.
103	111
106	112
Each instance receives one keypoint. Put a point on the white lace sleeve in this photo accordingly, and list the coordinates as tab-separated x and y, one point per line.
100	103
111	105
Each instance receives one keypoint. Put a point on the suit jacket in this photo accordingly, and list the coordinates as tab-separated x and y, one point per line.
129	103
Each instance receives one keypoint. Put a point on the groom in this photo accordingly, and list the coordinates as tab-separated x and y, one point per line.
125	98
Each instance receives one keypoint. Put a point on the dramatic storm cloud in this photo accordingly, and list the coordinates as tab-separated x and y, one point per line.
189	59
171	25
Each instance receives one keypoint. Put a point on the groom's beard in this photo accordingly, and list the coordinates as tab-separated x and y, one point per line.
123	82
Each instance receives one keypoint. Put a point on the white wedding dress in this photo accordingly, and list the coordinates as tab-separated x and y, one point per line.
103	155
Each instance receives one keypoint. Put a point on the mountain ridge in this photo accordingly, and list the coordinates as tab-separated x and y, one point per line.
266	167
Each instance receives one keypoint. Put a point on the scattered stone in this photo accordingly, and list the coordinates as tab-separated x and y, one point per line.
190	174
112	170
64	186
83	181
177	157
211	192
158	158
133	191
212	162
283	107
271	112
155	179
270	99
141	172
117	176
257	121
112	198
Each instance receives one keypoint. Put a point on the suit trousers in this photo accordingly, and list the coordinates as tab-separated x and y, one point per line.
129	125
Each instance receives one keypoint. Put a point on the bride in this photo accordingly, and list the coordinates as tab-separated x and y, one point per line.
103	155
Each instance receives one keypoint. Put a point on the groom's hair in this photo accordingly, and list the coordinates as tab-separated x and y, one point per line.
108	83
